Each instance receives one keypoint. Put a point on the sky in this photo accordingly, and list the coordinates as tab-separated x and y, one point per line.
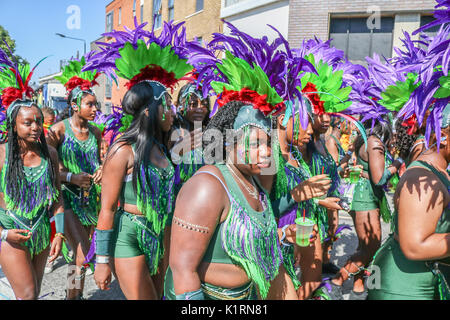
33	24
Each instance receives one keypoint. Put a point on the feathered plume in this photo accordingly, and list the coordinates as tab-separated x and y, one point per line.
73	76
253	70
138	55
442	16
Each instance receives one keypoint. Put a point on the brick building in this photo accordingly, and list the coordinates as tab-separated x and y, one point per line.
202	19
359	27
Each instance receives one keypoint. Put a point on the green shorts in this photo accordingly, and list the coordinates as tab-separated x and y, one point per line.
366	196
134	236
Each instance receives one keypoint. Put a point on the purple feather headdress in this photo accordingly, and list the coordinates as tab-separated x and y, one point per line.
138	55
268	70
442	16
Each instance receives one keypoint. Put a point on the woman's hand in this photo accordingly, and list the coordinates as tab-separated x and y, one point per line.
314	187
83	180
331	203
346	171
55	249
16	236
97	176
102	276
291	232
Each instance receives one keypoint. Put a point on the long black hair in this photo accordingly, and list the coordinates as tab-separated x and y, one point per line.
144	131
381	129
15	173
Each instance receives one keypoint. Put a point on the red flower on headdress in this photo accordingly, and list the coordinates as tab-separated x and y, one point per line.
11	94
317	104
246	95
410	123
156	73
84	84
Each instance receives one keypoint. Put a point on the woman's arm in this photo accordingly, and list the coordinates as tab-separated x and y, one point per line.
57	209
376	151
200	205
332	149
114	171
422	199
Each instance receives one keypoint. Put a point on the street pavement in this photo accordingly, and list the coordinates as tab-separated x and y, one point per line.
54	283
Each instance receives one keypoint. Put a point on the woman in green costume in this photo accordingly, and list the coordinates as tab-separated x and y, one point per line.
78	143
186	152
225	241
414	262
29	187
365	211
138	185
293	192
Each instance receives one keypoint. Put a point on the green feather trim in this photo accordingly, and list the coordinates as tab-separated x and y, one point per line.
73	69
241	75
133	60
9	79
444	90
328	84
395	96
288	263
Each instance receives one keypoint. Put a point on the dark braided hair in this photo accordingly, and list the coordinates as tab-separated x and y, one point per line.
403	141
222	121
15	172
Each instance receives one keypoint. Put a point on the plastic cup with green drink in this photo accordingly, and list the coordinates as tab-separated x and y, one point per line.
355	172
304	230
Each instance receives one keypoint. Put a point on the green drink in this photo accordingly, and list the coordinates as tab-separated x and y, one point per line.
304	229
354	174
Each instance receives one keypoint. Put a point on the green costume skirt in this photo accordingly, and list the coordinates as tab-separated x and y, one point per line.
366	196
401	278
212	292
39	227
134	236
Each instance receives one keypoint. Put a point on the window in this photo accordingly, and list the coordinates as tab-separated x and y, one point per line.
120	16
171	10
431	32
109	21
229	3
134	8
108	88
198	5
353	36
142	11
157	18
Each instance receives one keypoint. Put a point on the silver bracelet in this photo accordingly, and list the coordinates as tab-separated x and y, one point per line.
102	259
283	236
4	235
69	176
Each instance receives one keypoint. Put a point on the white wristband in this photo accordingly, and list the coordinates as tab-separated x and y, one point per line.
102	259
4	235
69	176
